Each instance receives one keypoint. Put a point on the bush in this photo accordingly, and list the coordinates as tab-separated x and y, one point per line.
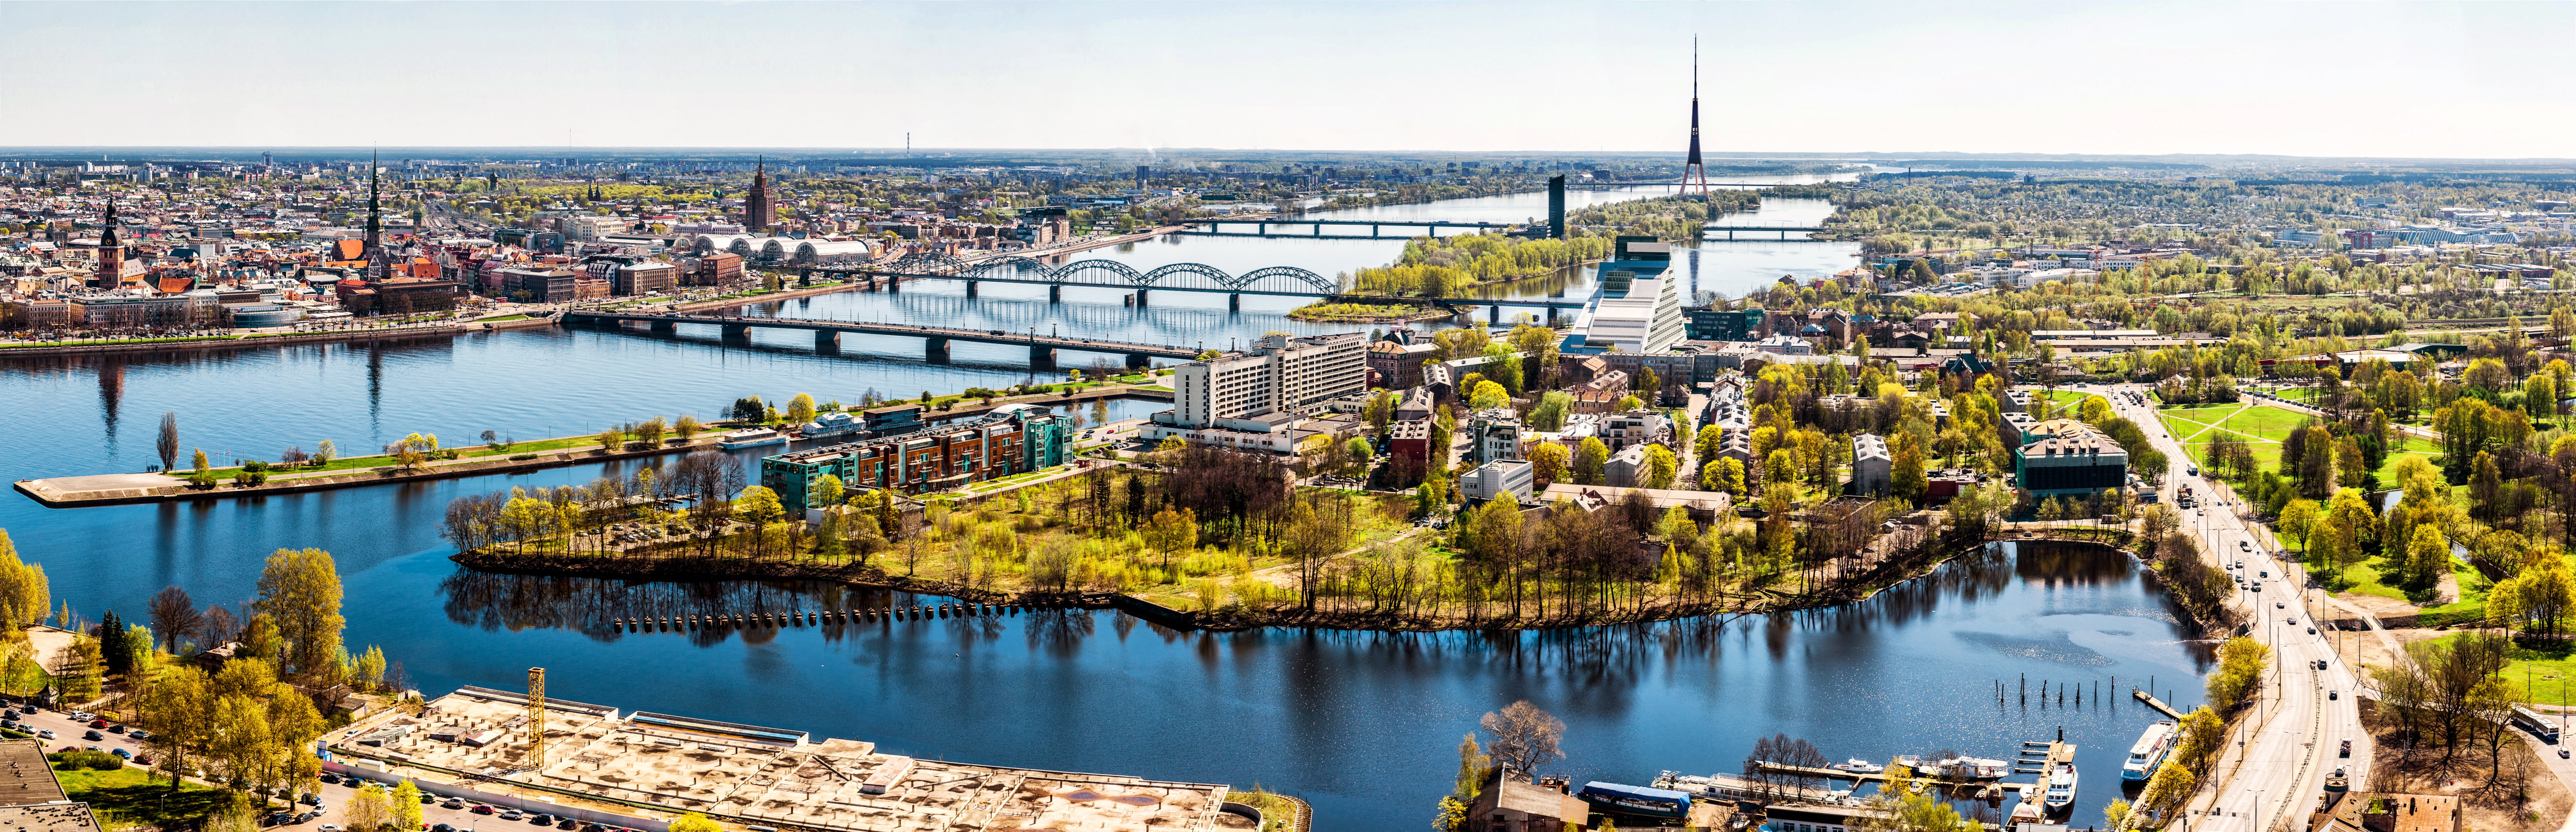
93	760
249	477
523	457
203	479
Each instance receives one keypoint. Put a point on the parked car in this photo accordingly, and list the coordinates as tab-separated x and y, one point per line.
442	828
329	778
122	754
567	823
139	734
116	729
482	808
144	759
92	735
512	815
453	803
98	723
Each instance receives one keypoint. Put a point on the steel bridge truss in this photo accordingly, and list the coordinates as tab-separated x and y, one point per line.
1112	274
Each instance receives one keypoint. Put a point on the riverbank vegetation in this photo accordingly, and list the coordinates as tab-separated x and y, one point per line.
1675	217
1367	313
1442	267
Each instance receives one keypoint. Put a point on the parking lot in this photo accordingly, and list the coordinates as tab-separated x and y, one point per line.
456	816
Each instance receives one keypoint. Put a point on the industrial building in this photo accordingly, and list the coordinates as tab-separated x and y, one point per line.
1871	465
1014	439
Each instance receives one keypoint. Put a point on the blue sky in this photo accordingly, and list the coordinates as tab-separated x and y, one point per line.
2341	79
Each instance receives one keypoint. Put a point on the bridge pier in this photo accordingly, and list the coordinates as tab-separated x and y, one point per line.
1551	317
935	350
664	327
1265	229
1234	303
1139	361
1373	233
1494	313
1041	356
1319	230
894	283
732	331
827	339
970	288
1055	293
1140	298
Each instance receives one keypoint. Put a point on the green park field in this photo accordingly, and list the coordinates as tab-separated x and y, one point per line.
2261	427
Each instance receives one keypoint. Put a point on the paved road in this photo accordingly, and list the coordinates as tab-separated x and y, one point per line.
2288	744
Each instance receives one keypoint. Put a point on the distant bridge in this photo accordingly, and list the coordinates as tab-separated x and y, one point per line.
935	339
1708	231
1279	281
1215	227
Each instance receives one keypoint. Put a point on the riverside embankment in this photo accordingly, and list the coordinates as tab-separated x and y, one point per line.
560	452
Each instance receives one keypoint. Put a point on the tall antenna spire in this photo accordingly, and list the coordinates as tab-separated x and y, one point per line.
1694	172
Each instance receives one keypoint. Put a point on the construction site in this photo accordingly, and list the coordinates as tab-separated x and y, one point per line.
642	769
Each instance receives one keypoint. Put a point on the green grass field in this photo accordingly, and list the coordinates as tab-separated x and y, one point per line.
131	793
2263	428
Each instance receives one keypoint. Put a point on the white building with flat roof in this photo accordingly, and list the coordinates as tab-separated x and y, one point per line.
1267	391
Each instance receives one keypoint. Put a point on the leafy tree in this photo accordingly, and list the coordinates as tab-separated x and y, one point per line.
25	595
1550	412
174	615
369	810
323	453
800	409
686	427
1548	462
198	463
827	491
406	806
1591	460
1905	473
2297	520
1489	395
1502	366
694	822
1660	466
1724	473
299	592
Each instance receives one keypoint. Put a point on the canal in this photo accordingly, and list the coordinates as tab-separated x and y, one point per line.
1362	724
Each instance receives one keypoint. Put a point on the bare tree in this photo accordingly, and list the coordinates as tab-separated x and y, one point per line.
218	625
175	616
167	444
1524	737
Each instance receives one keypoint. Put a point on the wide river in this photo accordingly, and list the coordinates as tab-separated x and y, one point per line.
1363	725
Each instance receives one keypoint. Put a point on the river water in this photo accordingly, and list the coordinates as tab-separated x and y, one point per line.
1363	725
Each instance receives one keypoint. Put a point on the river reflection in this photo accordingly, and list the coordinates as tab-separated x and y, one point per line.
1363	723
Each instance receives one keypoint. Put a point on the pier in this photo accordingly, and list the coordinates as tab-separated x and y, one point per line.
801	618
2155	703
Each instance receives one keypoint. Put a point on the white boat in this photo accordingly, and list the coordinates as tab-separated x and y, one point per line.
2061	788
2027	811
1908	761
751	438
1857	765
2149	753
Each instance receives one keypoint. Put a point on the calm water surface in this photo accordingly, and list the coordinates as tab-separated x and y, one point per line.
1363	725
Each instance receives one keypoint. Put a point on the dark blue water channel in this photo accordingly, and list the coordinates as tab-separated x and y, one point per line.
1363	725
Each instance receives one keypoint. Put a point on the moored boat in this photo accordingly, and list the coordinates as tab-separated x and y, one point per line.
2149	753
2061	788
751	438
1971	768
1857	765
836	425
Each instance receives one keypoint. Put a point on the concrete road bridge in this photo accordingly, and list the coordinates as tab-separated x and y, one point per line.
935	339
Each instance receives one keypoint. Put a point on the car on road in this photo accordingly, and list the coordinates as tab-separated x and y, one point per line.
2243	545
2279	605
2333	695
2347	748
2562	753
2312	631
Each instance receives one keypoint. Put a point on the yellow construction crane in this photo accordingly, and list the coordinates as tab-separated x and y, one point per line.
536	719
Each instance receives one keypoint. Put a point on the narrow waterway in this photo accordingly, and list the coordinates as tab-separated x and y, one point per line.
1364	725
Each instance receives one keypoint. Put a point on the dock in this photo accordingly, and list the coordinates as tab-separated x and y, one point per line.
798	618
1981	789
2152	702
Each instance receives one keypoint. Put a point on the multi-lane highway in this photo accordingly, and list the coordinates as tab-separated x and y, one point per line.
2291	738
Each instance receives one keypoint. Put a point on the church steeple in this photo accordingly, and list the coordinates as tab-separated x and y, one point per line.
111	253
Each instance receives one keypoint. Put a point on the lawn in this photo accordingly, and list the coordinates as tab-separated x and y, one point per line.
2066	403
2264	428
132	793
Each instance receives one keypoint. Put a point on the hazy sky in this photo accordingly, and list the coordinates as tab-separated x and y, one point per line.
2450	80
